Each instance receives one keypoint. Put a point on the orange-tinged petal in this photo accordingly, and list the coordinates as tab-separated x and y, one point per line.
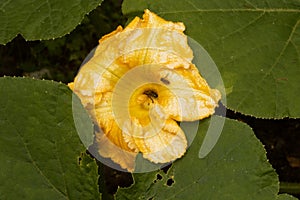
168	145
107	149
151	20
105	119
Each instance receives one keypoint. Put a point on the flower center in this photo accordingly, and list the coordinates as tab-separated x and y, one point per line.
151	94
142	100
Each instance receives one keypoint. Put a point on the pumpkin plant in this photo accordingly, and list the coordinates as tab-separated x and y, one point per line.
50	131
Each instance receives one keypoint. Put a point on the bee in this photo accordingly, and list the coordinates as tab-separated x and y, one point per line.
151	94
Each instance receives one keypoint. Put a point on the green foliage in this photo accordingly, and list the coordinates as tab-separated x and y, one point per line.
285	197
60	59
41	154
255	45
237	168
37	20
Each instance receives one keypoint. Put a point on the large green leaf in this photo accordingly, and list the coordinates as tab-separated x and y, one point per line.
36	19
41	154
255	44
237	168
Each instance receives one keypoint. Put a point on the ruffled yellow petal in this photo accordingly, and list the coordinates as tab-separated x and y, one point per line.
105	119
151	20
148	40
107	149
109	139
168	145
188	97
161	141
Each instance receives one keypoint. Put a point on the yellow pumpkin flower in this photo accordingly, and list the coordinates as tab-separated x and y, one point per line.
138	85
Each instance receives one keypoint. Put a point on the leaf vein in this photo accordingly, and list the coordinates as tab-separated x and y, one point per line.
274	64
193	5
60	165
209	168
267	10
36	166
245	26
284	47
251	4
